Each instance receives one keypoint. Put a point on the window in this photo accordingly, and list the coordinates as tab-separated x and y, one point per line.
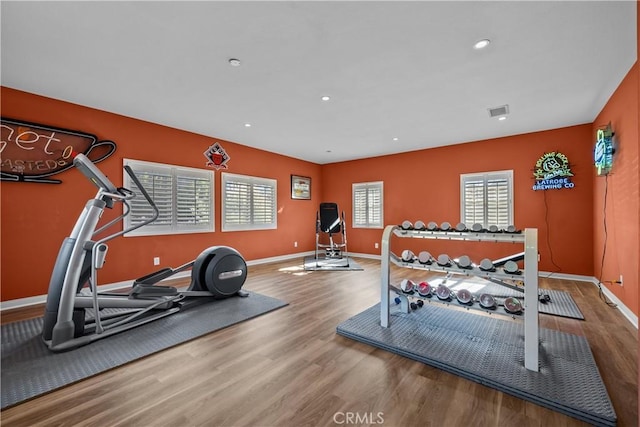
183	196
248	203
367	205
487	199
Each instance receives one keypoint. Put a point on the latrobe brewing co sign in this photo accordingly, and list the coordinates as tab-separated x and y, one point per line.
552	172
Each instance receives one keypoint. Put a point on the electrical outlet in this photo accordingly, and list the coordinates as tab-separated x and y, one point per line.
295	244
156	260
375	245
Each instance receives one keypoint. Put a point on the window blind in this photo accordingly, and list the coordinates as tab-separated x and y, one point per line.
367	205
487	199
183	196
248	203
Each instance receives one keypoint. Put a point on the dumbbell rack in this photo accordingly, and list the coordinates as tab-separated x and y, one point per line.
529	238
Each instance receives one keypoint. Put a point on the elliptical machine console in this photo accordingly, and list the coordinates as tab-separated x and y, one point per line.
218	272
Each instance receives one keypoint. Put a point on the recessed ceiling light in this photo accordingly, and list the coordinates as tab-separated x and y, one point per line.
247	125
481	44
395	138
502	118
325	98
234	62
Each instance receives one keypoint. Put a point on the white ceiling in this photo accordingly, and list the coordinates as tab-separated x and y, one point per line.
392	69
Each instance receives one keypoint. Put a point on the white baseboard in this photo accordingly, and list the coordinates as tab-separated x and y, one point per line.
626	312
40	299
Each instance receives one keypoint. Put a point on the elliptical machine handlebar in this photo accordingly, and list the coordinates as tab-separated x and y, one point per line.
146	195
100	180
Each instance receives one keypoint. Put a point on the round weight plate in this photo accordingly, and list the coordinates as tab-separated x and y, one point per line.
424	289
493	229
443	292
444	260
512	305
464	262
408	256
419	225
461	227
432	226
445	226
407	285
487	301
464	296
477	227
487	265
511	267
406	225
425	257
511	229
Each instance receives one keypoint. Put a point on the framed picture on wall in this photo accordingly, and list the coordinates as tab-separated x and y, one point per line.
300	187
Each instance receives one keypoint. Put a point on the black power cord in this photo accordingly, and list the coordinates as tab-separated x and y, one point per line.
546	221
604	249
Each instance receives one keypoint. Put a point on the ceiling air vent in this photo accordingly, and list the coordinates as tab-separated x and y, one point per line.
499	111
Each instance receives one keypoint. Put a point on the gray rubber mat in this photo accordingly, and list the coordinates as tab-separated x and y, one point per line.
338	264
29	369
560	302
490	351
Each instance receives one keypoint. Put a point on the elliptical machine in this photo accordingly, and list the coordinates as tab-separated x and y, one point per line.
218	272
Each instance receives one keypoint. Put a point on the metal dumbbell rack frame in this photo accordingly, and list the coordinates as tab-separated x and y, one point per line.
529	238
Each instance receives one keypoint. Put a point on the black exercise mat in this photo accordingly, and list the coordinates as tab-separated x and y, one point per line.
331	264
29	369
490	351
560	302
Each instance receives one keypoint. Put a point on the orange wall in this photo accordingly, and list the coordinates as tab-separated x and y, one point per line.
623	196
425	185
37	217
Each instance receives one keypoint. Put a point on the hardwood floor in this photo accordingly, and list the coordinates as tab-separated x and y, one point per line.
290	368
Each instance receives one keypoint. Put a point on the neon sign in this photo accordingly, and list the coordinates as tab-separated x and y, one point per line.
603	152
552	172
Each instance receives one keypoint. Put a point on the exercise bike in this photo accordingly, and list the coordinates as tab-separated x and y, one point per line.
218	272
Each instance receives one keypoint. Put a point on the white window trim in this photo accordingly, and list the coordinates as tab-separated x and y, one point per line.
253	180
356	185
508	173
175	170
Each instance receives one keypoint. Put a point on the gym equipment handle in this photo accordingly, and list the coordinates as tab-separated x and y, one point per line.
143	191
